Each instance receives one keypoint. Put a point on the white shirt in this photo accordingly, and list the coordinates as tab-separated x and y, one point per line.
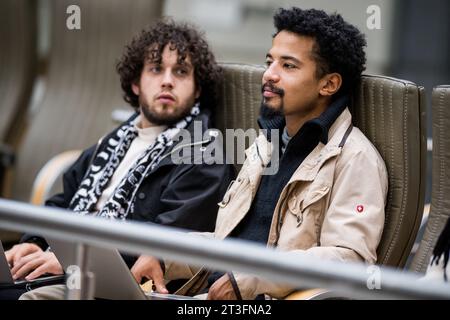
143	140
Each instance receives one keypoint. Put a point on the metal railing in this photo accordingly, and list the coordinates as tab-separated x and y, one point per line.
350	279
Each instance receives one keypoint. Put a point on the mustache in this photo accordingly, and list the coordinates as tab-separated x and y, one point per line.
269	86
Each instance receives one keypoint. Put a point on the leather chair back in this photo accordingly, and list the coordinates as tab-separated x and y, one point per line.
440	191
391	113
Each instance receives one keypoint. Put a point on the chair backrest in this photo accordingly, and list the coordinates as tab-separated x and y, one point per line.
18	58
440	201
240	100
240	97
391	114
82	87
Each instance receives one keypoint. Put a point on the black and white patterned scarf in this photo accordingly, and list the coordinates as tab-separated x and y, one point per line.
106	162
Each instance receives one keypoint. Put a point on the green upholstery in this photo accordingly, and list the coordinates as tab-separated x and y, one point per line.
440	192
241	97
391	113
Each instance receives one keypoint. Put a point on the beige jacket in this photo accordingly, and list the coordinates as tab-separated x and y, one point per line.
331	208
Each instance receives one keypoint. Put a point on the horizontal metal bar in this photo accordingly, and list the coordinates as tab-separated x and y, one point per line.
298	270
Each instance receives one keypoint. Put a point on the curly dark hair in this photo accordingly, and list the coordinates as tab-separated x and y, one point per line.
339	45
187	41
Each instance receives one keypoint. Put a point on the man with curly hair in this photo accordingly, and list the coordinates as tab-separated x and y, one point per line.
170	77
328	197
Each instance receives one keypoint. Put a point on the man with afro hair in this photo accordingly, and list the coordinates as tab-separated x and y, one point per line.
328	197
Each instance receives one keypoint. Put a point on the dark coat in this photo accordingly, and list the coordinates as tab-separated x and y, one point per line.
177	195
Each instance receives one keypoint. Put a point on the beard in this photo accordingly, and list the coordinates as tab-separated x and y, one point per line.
267	111
164	119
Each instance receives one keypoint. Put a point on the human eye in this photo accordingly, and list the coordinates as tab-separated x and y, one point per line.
154	68
181	71
268	62
288	65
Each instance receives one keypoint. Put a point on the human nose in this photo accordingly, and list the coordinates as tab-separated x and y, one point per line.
167	81
271	74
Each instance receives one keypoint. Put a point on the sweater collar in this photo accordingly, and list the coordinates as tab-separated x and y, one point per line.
328	117
323	122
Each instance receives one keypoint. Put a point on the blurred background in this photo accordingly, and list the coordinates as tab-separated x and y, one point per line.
58	86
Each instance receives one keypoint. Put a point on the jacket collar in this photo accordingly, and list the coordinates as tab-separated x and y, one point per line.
271	123
323	122
259	154
200	124
203	121
328	117
307	171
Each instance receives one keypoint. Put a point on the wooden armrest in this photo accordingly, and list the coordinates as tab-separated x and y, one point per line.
314	294
48	175
147	287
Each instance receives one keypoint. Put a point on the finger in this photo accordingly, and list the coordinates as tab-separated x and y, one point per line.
161	288
19	263
136	276
38	272
212	292
24	269
27	268
48	264
25	263
13	254
22	250
55	266
158	282
10	257
19	258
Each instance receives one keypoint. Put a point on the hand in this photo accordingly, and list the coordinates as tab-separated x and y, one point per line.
149	267
222	289
20	250
36	264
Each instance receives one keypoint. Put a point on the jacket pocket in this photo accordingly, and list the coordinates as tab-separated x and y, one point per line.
233	188
298	204
313	196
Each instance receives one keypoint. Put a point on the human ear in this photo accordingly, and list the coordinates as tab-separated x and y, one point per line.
330	84
135	88
198	93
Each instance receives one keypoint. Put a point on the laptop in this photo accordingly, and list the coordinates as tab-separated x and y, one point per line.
7	281
112	278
